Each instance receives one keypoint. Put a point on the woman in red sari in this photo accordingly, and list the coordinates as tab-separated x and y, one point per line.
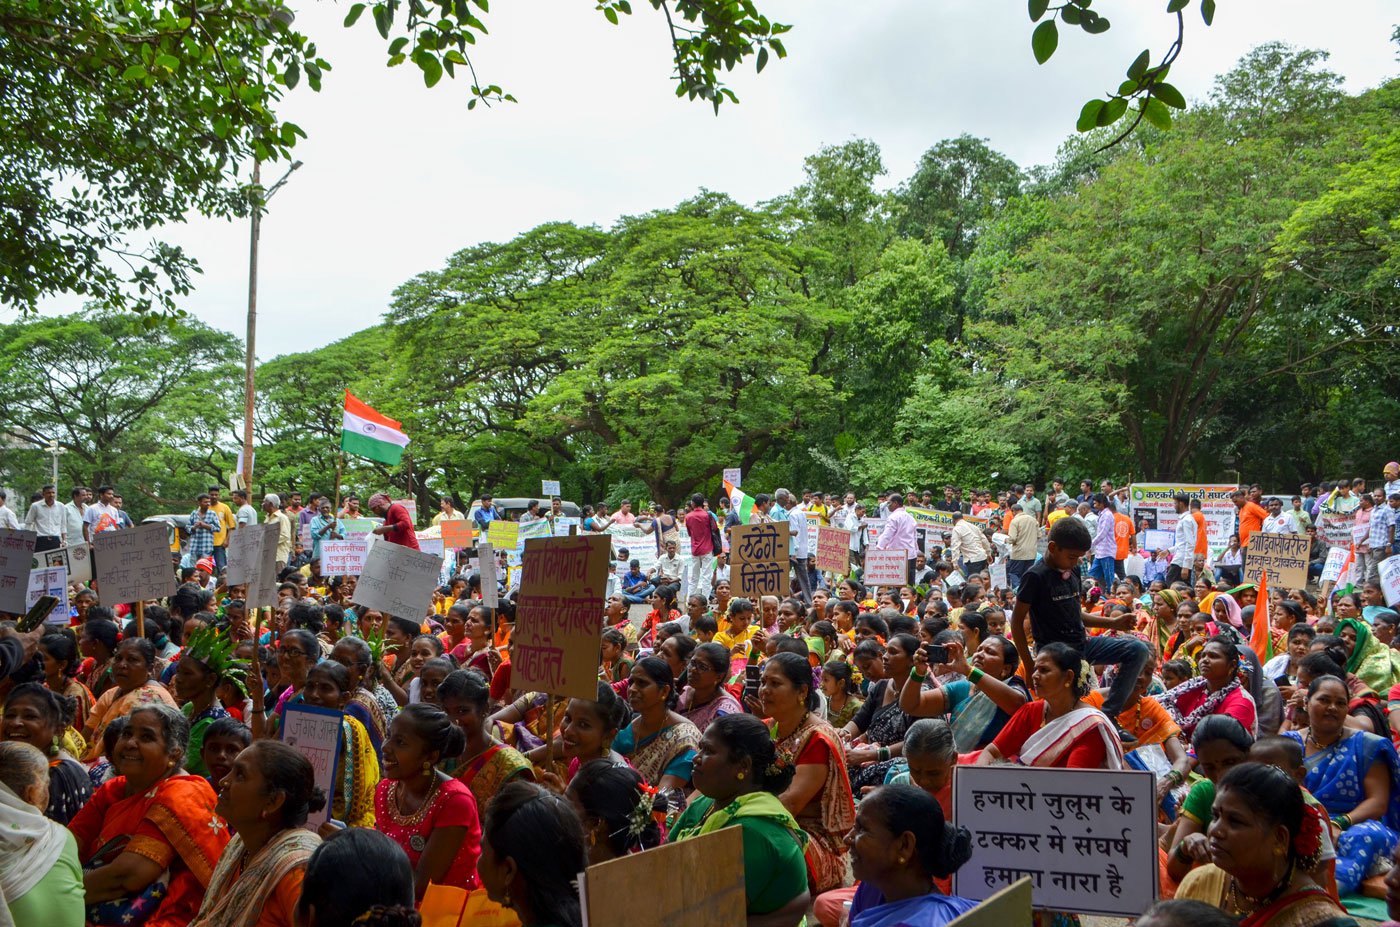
149	838
1059	729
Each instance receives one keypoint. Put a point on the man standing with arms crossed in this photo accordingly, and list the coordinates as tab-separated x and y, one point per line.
1184	542
1048	604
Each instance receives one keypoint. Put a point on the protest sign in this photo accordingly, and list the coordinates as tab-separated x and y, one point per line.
1333	567
559	615
1389	569
939	519
1086	838
731	476
304	536
1155	501
412	506
398	581
503	534
315	734
1335	527
133	565
430	545
999	578
564	524
833	549
549	488
16	560
872	528
1285	556
355	529
490	591
1156	539
75	560
759	560
712	891
886	568
457	533
50	581
1010	907
252	562
343	558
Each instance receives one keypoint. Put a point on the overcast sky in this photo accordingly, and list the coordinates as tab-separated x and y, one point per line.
397	177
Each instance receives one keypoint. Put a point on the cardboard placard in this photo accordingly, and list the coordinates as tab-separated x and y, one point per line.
886	568
549	488
1154	539
133	565
430	545
457	533
343	558
412	506
1010	907
999	578
1389	570
16	561
304	536
490	591
357	529
76	560
315	734
50	581
1332	569
1285	556
559	615
833	549
712	891
759	560
252	562
1086	838
505	534
731	476
1335	527
398	581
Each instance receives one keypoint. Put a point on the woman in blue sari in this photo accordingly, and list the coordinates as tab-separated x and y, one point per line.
1356	776
899	845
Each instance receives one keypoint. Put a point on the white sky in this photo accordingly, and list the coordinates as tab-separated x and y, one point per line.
397	177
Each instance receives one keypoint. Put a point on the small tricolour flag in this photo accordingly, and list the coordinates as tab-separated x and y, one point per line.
740	503
366	433
1346	582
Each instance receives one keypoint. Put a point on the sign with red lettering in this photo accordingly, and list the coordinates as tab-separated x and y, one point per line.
559	615
833	549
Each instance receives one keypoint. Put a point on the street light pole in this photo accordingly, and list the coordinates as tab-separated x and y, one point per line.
55	449
250	360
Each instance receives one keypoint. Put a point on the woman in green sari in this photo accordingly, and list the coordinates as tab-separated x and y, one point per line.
1368	659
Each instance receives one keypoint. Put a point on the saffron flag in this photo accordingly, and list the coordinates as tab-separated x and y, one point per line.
1261	637
366	433
742	504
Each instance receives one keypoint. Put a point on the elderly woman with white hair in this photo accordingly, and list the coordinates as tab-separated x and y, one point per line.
41	882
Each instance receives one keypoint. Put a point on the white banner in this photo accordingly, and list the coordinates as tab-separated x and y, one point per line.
16	559
398	581
343	558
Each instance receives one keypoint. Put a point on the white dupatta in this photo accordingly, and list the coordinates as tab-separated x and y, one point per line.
1046	746
30	844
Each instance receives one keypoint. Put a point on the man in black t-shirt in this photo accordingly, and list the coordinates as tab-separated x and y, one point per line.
1048	601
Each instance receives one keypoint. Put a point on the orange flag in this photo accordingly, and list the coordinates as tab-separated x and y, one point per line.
1261	638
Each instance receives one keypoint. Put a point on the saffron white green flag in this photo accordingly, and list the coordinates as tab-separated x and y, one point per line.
742	504
366	433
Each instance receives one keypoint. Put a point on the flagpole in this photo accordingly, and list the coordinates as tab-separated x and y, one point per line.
339	466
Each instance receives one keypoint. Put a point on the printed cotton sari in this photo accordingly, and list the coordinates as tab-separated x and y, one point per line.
239	890
832	813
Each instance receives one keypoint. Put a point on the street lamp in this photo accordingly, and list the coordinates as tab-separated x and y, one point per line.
249	360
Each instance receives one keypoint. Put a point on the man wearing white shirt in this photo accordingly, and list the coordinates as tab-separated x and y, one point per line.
1184	542
796	513
8	519
247	516
102	515
75	528
1279	521
47	519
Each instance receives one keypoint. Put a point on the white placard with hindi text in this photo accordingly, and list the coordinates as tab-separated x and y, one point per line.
343	558
252	562
1087	838
398	581
886	568
315	734
731	476
50	581
549	488
1390	579
1332	569
490	591
16	558
133	565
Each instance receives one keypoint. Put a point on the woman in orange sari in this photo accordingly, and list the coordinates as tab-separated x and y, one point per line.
149	838
133	665
819	796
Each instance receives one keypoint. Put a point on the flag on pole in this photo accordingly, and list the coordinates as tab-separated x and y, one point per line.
366	433
1346	582
1261	637
742	504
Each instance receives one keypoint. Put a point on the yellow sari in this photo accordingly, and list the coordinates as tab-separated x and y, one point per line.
113	705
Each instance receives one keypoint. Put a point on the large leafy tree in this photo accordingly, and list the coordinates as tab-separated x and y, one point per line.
118	116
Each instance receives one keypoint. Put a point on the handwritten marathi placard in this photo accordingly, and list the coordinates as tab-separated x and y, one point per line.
504	534
732	475
50	581
1085	837
1389	570
343	558
711	892
1285	556
833	549
252	562
886	567
1335	527
457	533
490	590
16	560
315	734
133	565
549	487
559	615
356	529
758	555
398	581
1332	569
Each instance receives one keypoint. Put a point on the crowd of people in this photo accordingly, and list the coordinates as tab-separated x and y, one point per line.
145	775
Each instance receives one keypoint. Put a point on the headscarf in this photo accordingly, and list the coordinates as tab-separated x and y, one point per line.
1232	609
1372	662
377	499
1172	598
206	564
30	844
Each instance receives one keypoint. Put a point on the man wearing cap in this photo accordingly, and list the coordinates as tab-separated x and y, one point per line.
202	525
272	505
398	526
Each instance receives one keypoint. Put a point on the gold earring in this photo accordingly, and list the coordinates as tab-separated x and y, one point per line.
901	860
741	777
427	768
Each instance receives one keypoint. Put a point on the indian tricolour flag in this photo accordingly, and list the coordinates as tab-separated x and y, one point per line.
742	504
366	433
1346	579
